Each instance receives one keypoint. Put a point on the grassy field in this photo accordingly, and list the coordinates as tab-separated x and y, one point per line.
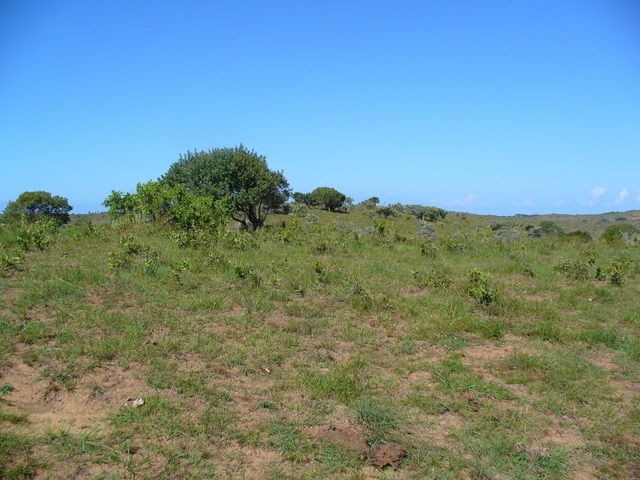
290	353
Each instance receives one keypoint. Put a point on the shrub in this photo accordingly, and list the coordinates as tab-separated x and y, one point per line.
480	288
507	234
302	198
238	176
387	212
455	243
329	197
429	249
33	206
429	214
426	230
247	272
173	206
34	236
370	202
616	271
546	229
382	226
298	210
620	233
9	260
439	280
575	269
579	236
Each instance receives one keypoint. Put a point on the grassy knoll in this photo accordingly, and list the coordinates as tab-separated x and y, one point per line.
289	353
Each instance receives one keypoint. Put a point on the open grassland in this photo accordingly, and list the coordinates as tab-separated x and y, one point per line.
289	353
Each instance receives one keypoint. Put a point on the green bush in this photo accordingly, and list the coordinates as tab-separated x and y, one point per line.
546	228
437	279
429	214
429	249
34	206
238	177
331	198
579	269
480	287
620	233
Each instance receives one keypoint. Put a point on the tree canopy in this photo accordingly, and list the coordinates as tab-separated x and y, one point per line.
236	174
331	198
39	204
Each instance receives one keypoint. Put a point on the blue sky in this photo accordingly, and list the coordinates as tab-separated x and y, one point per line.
500	107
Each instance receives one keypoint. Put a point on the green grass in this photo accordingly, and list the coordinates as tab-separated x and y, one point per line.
486	355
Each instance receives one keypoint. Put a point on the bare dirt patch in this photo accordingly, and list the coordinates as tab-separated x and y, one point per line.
98	393
489	352
339	429
436	429
627	390
250	463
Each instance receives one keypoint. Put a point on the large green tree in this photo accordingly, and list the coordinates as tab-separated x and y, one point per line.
35	205
331	198
237	174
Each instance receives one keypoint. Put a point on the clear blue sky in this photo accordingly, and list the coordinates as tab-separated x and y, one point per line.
503	107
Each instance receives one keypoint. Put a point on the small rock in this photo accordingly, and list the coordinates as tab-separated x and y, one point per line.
134	402
519	448
390	454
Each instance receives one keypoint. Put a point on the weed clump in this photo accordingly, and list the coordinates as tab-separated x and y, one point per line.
480	288
428	249
437	279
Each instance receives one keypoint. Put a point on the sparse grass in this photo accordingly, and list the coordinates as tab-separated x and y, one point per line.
486	356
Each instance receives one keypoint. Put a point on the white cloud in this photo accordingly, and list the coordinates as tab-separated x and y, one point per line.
622	196
464	202
527	203
559	203
597	192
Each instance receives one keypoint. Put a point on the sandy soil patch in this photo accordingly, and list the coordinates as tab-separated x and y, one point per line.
98	393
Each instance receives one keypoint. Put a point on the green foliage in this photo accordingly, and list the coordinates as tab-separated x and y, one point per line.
134	254
283	342
382	226
344	383
177	207
579	269
429	249
437	279
380	418
480	287
426	230
507	234
387	212
298	210
456	243
620	233
428	214
9	260
33	206
546	228
236	175
579	236
617	270
119	204
247	272
35	236
331	198
370	202
303	198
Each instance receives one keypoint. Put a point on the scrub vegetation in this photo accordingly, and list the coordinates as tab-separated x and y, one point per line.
489	347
